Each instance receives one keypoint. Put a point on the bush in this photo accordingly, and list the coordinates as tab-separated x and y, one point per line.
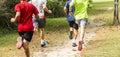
56	7
6	12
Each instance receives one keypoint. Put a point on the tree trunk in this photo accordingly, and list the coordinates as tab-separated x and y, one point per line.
116	20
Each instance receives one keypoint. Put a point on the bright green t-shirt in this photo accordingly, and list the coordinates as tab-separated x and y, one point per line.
80	9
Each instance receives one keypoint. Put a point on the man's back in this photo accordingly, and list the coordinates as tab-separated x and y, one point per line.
69	18
39	5
67	6
80	8
26	11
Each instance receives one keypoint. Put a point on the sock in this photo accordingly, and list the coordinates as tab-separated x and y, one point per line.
42	41
73	41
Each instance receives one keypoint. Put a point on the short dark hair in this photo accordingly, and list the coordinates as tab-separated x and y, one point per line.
28	0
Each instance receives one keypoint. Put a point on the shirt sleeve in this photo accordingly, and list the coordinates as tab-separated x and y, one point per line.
17	8
67	4
35	11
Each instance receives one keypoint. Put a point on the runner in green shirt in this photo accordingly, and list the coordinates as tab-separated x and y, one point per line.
81	17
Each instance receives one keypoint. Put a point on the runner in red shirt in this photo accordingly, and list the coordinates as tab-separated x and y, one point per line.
24	12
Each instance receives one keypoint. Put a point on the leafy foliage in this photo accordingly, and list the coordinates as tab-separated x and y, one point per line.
6	12
56	7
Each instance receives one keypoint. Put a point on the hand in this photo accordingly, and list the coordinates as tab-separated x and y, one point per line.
12	20
50	11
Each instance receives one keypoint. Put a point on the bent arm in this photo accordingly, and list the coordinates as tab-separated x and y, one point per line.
46	9
16	17
70	9
65	10
37	16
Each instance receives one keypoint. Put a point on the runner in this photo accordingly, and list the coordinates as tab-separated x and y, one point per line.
81	17
72	24
42	8
24	12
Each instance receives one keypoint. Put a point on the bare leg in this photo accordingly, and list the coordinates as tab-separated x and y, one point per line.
36	30
43	42
42	33
71	28
75	34
71	33
74	38
26	48
82	32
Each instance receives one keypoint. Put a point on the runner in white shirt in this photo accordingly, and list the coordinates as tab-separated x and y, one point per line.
42	8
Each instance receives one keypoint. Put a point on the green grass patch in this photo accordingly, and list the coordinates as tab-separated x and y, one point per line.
105	44
103	4
103	11
56	24
7	37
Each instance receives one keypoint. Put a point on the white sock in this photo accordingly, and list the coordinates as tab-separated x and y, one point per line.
42	41
73	41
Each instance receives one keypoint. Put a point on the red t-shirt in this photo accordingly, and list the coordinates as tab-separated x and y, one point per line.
26	11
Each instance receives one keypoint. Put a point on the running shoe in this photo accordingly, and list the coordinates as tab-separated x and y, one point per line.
43	44
19	42
74	44
80	45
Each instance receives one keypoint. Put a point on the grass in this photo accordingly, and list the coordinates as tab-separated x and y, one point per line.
106	41
7	37
56	24
105	44
103	11
101	0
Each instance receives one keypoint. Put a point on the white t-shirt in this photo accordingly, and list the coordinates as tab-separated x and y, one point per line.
39	5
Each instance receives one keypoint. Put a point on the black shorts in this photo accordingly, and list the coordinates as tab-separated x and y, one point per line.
73	24
26	35
41	23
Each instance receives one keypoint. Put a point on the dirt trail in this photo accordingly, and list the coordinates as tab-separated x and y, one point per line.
67	50
55	50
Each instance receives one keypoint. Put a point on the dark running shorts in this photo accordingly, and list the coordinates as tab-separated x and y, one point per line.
26	35
73	24
41	23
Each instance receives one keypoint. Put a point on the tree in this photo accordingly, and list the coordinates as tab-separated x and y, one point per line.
116	20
